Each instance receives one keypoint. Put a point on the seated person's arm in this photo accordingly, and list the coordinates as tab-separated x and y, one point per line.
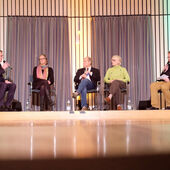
126	76
107	77
95	76
51	76
2	71
77	77
35	74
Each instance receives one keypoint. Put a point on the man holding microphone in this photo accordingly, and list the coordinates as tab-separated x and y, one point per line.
5	85
86	78
162	83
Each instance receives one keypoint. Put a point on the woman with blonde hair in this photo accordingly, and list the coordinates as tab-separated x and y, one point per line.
117	77
43	77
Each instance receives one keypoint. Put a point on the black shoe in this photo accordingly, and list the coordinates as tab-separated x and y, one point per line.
8	108
167	108
4	109
154	108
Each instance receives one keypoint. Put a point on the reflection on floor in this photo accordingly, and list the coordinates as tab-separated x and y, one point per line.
27	136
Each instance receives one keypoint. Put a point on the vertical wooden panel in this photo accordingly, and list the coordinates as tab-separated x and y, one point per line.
144	7
33	7
168	6
112	7
124	9
157	7
116	7
41	7
120	7
104	8
96	7
1	8
37	9
57	7
5	8
148	6
29	7
9	7
45	7
108	5
1	30
131	7
92	13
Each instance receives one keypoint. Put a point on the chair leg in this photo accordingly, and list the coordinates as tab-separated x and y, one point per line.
42	103
160	100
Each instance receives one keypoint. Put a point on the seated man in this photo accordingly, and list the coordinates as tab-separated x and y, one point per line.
5	85
86	78
163	84
117	77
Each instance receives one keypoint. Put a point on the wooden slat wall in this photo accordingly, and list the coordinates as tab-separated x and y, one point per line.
83	7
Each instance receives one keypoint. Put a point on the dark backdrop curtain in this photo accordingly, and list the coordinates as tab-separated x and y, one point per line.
28	37
131	38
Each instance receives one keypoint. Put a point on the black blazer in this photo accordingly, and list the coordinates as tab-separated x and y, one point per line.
2	71
94	78
50	76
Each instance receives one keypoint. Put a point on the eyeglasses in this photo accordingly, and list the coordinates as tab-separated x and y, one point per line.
42	58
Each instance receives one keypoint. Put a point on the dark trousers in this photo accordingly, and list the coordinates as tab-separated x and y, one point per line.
115	90
10	96
43	86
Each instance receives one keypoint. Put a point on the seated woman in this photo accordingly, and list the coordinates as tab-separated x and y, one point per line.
117	77
43	77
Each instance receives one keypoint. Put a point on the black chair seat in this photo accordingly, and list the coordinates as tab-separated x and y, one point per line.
35	90
92	91
123	90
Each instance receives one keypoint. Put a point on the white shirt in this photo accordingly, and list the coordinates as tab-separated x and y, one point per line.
88	76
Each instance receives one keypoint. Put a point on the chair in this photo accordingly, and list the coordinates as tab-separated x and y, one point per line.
34	96
122	100
91	98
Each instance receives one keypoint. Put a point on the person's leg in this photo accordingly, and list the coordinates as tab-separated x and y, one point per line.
115	86
47	94
11	91
165	89
155	97
85	83
3	87
42	97
82	89
84	98
114	91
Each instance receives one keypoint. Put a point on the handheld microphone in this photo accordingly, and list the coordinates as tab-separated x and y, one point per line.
8	66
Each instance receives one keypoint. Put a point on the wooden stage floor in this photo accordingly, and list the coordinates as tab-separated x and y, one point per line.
93	135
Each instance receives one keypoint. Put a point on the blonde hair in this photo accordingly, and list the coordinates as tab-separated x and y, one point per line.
118	57
89	59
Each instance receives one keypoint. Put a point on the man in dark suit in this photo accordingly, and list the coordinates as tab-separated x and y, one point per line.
5	85
86	78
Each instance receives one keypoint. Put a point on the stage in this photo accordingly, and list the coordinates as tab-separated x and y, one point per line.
85	140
